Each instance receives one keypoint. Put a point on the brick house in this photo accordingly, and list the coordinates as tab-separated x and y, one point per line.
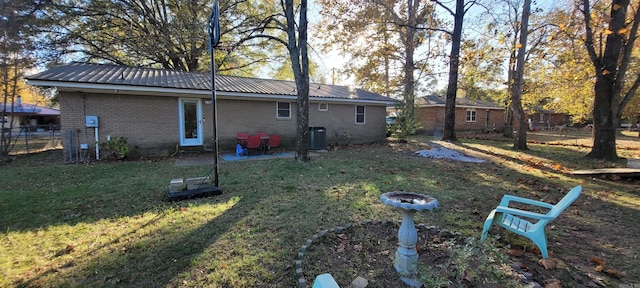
542	119
159	111
471	115
23	117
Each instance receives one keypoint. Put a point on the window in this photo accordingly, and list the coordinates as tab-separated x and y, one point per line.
471	115
541	118
283	110
360	114
323	107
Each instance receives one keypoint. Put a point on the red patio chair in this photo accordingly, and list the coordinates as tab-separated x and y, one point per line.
274	141
254	143
262	134
242	138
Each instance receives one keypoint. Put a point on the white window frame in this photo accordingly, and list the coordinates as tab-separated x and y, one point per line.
541	118
363	114
278	110
471	115
323	106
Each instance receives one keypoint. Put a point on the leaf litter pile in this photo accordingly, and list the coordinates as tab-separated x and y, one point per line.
446	259
367	250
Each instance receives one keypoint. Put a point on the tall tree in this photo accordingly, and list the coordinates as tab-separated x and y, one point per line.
449	133
560	78
297	46
161	33
19	26
611	67
520	142
384	45
283	28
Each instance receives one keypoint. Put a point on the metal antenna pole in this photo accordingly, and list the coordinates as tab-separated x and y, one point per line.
214	37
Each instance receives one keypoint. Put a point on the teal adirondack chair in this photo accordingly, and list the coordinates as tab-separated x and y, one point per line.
518	221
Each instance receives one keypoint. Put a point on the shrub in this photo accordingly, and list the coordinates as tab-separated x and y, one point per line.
116	148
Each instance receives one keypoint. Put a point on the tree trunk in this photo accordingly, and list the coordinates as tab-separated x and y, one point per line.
609	79
520	142
409	47
300	64
449	133
604	123
508	121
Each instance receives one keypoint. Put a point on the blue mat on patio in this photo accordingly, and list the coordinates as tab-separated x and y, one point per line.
233	157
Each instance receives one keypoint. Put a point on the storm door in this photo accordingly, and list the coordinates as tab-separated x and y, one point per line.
190	111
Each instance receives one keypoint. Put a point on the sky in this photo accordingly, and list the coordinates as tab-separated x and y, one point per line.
333	59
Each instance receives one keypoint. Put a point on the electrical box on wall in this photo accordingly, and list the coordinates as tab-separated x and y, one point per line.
91	121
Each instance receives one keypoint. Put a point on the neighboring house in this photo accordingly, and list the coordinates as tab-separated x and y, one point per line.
158	110
471	115
541	119
28	117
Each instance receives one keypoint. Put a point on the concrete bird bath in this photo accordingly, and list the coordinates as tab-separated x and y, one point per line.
406	258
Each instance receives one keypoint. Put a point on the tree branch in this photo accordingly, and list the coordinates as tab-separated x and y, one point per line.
586	11
444	7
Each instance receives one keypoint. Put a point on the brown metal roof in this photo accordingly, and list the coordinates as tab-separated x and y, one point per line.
107	74
433	100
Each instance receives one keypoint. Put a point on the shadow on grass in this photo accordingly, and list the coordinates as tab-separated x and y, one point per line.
153	260
274	206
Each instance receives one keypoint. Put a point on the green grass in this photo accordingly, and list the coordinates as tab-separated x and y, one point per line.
106	224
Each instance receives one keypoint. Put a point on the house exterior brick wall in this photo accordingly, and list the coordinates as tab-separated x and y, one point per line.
548	120
151	123
252	116
431	119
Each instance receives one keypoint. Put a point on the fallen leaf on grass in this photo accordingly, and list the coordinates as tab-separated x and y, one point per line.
599	268
515	252
548	264
553	284
597	260
469	276
612	272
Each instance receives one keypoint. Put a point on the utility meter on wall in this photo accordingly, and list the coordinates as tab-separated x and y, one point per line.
91	121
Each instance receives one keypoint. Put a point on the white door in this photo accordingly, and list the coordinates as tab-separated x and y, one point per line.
190	111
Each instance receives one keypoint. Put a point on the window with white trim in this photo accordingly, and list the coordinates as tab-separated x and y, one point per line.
541	118
360	114
283	110
471	115
323	106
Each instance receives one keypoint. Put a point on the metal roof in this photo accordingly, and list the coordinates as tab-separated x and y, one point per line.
28	109
90	75
433	100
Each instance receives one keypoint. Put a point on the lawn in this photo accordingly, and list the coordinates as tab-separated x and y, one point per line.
106	224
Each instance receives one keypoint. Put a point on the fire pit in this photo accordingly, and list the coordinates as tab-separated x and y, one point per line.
406	258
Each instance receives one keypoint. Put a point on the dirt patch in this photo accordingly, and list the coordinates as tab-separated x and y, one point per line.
446	259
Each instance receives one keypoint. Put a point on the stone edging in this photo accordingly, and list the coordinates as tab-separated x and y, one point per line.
302	282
